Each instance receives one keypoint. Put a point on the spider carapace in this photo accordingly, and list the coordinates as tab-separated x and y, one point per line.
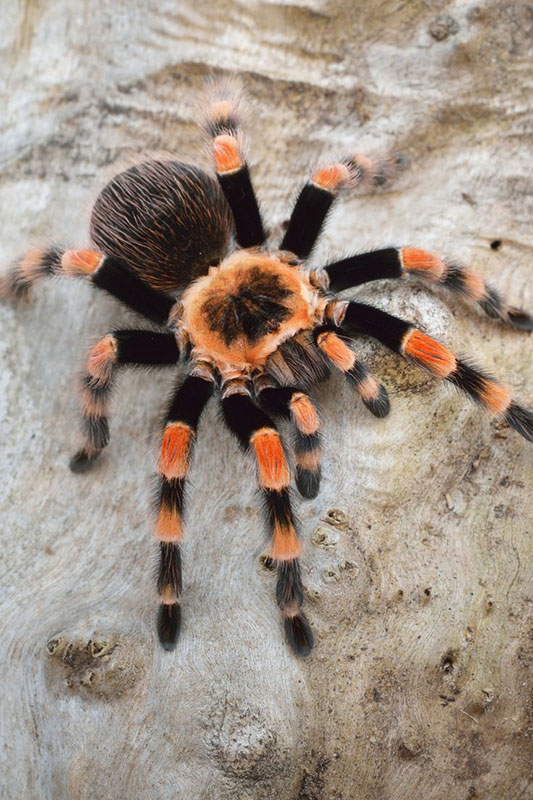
255	326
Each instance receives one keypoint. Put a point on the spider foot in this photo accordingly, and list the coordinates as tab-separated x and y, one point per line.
169	625
379	405
11	288
82	461
299	634
17	282
308	482
520	319
521	419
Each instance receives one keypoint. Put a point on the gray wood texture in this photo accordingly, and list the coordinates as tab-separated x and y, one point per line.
417	549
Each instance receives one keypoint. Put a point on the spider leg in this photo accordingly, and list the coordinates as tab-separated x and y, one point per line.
289	402
399	262
114	350
179	435
256	430
370	390
318	194
404	338
105	272
223	125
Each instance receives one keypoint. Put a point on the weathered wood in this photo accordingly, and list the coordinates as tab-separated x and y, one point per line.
418	546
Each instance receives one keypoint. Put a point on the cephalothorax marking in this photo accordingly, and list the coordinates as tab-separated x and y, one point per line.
254	309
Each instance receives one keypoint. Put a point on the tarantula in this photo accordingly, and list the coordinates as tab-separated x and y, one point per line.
254	325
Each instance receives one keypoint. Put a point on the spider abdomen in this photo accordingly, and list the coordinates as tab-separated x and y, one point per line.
167	220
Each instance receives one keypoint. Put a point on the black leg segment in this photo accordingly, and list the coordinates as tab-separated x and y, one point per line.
115	277
307	219
237	187
365	319
359	269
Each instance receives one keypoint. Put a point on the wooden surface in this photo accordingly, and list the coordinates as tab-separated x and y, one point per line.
417	550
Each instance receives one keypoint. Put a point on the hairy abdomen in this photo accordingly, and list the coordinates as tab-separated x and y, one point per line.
169	221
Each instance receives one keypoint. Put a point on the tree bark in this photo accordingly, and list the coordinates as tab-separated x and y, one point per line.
417	547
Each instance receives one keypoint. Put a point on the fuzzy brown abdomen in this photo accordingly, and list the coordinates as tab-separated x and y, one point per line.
168	221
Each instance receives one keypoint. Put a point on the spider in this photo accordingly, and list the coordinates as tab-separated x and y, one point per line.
253	325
